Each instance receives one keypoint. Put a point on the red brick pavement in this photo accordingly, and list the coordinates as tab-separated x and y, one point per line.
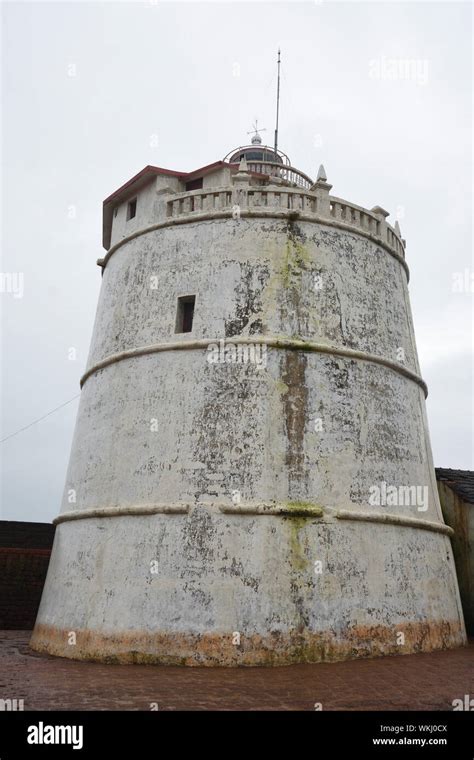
408	682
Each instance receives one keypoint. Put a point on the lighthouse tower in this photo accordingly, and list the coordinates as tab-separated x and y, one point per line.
251	480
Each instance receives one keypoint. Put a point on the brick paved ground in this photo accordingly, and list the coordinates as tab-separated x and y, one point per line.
409	682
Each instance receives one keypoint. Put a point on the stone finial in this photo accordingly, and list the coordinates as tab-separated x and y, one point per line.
321	174
241	176
397	229
321	187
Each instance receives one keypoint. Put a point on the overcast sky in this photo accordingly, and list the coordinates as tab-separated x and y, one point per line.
93	92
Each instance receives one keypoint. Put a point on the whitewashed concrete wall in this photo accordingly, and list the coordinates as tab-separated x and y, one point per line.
150	206
308	431
218	178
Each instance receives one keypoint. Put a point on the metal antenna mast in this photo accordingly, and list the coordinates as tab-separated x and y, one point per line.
278	102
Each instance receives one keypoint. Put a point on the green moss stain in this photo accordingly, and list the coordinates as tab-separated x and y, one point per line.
295	259
301	506
296	523
287	261
297	556
281	387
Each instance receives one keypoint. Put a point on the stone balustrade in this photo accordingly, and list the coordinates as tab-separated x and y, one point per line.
315	203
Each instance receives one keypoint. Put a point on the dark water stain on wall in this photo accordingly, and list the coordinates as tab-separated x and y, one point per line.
248	301
293	363
293	370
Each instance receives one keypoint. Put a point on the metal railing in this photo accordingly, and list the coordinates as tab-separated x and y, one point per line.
286	174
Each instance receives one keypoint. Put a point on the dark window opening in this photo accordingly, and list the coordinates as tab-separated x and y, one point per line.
131	209
185	314
194	184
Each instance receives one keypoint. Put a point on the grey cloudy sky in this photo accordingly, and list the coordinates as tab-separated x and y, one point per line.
381	93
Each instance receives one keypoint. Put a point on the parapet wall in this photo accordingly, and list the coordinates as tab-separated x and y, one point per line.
245	198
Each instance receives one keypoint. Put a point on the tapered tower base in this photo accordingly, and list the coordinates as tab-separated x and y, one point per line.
247	589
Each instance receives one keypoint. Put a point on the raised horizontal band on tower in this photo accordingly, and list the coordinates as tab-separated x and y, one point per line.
142	509
284	510
291	344
391	519
255	213
270	510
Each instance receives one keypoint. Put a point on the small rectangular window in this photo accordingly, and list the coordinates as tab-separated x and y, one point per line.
185	314
131	209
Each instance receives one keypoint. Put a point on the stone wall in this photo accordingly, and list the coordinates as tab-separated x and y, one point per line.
459	515
25	549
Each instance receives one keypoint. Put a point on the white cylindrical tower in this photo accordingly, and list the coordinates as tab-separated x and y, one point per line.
251	480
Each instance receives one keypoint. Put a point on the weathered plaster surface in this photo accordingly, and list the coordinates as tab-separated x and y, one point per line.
170	427
219	575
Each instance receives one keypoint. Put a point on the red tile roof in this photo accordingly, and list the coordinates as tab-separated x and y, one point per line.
151	171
